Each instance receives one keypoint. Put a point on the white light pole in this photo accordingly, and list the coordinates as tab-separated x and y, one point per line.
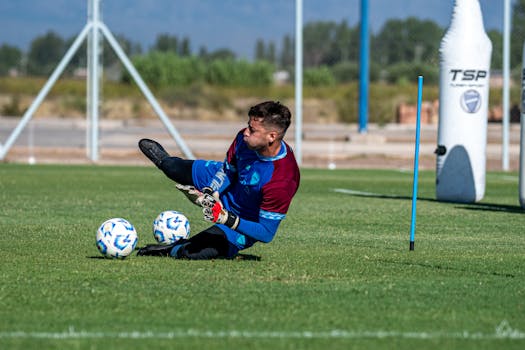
506	85
298	80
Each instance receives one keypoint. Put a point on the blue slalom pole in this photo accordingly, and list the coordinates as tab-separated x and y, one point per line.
416	162
364	74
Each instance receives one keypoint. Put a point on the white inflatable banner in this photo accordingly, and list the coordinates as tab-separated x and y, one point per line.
465	54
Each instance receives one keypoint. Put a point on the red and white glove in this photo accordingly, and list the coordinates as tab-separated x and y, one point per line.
194	195
214	211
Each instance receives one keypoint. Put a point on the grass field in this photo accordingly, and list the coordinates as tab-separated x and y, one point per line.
338	275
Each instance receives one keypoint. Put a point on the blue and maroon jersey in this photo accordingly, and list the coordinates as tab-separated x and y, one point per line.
258	189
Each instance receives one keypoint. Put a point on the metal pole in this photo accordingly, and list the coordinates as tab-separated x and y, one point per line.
298	80
416	163
145	90
364	70
93	80
506	85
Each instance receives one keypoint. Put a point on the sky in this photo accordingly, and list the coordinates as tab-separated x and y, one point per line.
232	24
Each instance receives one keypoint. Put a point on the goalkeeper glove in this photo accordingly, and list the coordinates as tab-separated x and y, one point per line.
214	211
194	195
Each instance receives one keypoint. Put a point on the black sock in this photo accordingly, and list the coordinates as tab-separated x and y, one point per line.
178	169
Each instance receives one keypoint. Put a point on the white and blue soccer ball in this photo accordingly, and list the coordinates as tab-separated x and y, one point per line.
171	226
116	238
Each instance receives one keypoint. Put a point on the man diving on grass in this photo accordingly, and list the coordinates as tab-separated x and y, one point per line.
245	197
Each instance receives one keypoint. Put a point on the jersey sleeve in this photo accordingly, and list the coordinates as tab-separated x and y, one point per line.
277	193
277	197
262	231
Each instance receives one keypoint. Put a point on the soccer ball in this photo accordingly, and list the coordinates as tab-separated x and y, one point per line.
116	238
170	226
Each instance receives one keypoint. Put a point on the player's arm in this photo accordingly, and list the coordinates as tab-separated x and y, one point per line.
278	197
263	231
274	206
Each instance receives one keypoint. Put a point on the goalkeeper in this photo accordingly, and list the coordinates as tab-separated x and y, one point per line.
246	196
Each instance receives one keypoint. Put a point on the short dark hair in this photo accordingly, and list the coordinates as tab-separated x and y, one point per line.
272	113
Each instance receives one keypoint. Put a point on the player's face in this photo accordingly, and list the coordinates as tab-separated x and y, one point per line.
257	137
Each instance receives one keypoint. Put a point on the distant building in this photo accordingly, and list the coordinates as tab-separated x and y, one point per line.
281	77
13	72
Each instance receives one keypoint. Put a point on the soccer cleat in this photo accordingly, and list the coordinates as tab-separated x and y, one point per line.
153	150
156	250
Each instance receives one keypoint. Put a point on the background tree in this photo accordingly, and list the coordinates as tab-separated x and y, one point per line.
497	49
265	51
44	54
287	56
109	58
171	43
329	43
409	40
166	43
345	45
10	58
203	52
517	33
318	40
220	54
185	47
270	52
260	50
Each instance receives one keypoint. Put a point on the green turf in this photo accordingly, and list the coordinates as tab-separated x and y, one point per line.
338	275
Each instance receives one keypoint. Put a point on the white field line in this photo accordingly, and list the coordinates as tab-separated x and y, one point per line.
360	193
502	331
510	178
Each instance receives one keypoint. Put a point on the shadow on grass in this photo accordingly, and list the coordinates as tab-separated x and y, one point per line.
494	207
446	268
515	209
247	257
244	257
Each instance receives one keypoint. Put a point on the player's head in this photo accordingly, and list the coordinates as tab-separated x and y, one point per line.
272	115
267	125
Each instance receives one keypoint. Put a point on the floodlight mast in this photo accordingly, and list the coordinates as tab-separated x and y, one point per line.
91	29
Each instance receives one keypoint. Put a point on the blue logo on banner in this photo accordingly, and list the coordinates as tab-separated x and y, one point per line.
471	101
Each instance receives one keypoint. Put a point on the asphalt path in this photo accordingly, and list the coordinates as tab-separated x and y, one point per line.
64	140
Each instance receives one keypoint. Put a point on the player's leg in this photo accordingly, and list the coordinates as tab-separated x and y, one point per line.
156	249
153	150
208	244
177	169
